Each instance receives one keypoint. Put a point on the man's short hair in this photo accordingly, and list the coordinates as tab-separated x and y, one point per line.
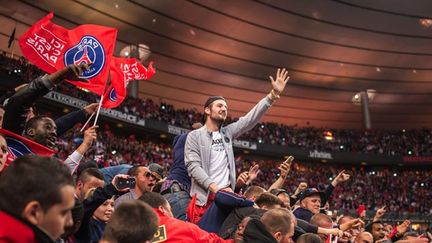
212	99
321	220
134	170
308	238
368	227
153	199
86	174
30	178
277	220
268	200
132	221
85	165
33	122
253	191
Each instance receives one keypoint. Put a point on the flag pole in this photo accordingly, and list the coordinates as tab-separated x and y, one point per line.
87	122
98	110
101	100
12	39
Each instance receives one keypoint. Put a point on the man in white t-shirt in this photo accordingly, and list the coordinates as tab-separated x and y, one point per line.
209	155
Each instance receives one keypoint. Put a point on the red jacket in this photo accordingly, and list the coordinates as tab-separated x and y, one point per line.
16	230
175	230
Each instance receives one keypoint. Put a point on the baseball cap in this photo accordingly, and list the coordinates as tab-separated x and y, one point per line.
309	192
156	170
276	192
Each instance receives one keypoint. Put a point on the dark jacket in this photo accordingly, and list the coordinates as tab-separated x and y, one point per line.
256	232
90	205
302	213
178	170
229	226
18	104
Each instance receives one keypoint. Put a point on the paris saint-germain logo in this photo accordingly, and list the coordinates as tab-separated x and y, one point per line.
113	95
17	148
88	50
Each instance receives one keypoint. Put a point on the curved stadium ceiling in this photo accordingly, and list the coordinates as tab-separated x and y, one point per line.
333	49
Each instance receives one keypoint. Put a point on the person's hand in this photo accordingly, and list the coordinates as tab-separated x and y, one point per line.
285	167
302	186
73	72
253	173
420	239
379	213
402	228
336	232
115	182
91	108
90	135
281	80
227	189
213	187
20	87
341	177
352	224
242	179
70	72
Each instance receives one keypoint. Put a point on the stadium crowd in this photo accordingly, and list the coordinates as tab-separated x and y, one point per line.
383	142
99	186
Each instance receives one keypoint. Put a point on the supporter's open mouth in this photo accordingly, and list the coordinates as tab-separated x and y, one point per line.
52	141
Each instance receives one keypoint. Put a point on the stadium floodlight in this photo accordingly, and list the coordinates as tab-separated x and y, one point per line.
356	99
131	50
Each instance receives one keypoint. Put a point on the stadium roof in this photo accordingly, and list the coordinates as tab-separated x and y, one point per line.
333	49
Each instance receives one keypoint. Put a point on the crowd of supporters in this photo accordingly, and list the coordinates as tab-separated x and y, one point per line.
403	190
382	142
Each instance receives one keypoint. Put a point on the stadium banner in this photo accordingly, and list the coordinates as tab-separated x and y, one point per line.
417	159
320	155
78	103
276	151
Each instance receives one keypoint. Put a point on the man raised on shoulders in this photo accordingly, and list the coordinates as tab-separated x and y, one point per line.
209	155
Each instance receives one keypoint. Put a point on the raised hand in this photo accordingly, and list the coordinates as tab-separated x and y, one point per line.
302	186
242	179
379	213
253	173
115	182
281	80
402	228
91	108
73	72
341	177
90	135
70	72
285	167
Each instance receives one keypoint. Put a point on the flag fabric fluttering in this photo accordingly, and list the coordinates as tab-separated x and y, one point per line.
123	71
19	146
52	47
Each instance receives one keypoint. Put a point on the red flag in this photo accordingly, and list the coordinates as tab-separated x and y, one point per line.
124	70
52	47
19	146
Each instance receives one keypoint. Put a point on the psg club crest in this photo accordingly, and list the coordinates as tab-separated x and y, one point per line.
112	95
88	50
16	148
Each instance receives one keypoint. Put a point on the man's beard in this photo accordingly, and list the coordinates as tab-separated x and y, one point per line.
219	118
